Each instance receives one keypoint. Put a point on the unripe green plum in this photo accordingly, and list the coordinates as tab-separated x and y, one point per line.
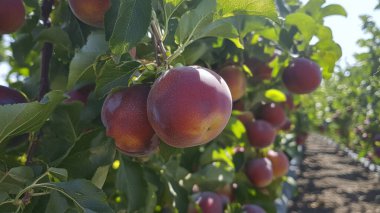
260	133
280	163
259	172
90	12
12	15
235	79
189	106
124	114
302	76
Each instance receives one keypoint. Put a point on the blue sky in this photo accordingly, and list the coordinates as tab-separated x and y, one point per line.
346	31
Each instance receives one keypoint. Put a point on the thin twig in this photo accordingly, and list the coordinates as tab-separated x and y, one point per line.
157	52
157	38
160	43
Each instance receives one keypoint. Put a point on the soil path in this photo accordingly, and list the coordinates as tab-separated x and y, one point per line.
330	181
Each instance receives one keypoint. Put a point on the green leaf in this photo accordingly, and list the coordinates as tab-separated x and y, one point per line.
112	75
167	151
305	24
151	199
235	28
110	18
58	136
131	24
3	196
211	176
170	6
80	66
333	9
236	127
18	119
275	95
58	173
313	9
265	8
324	33
221	28
56	36
194	21
21	47
100	176
326	53
91	151
214	153
179	195
22	174
194	52
84	194
57	203
129	180
10	188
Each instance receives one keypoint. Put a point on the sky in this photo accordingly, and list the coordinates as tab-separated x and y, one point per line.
346	31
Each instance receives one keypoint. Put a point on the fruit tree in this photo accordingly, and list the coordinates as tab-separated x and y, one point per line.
156	105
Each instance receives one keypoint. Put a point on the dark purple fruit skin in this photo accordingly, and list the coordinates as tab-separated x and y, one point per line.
259	172
12	15
124	114
377	152
260	69
272	113
252	209
376	137
208	202
260	133
11	96
189	106
302	76
81	94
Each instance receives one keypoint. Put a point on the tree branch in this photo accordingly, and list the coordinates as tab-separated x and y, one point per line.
47	50
157	39
46	54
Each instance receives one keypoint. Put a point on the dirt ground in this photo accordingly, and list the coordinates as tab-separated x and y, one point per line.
332	182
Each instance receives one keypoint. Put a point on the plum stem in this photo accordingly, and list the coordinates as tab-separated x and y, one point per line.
46	54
